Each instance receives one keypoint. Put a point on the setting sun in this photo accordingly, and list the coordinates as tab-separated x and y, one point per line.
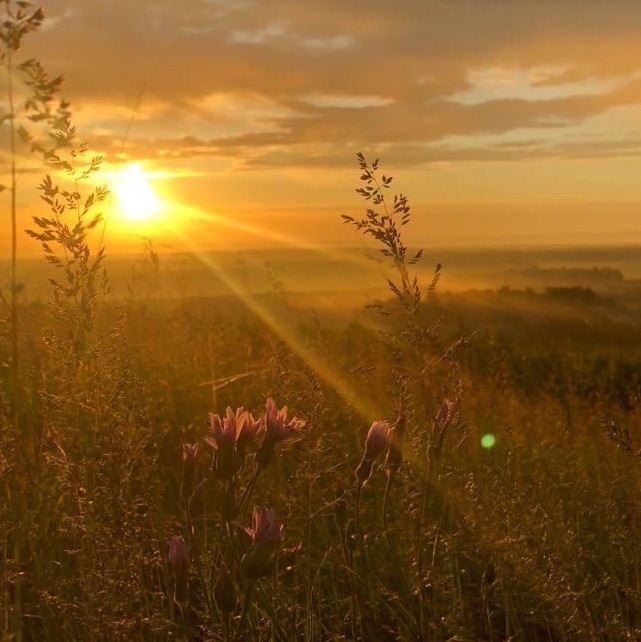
135	196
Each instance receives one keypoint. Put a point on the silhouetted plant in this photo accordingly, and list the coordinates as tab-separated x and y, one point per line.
33	117
63	236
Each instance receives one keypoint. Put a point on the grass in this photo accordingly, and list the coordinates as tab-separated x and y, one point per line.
447	469
533	539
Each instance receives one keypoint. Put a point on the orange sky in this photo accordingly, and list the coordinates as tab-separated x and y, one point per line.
505	122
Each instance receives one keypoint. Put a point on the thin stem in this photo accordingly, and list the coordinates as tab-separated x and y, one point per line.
15	372
195	550
243	615
14	236
227	626
357	505
386	492
248	490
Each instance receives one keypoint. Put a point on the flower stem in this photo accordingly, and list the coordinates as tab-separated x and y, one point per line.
243	615
249	489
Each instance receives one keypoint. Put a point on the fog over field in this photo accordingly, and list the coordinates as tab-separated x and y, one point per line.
358	271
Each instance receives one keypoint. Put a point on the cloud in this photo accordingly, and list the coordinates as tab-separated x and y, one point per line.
342	101
533	84
330	43
259	81
259	36
275	31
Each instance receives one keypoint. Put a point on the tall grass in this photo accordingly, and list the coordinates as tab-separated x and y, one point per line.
157	489
33	115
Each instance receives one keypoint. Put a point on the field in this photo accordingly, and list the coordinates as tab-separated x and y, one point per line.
506	508
262	421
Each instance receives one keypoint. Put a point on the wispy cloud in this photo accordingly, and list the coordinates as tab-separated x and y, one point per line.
533	84
261	36
342	101
259	79
329	43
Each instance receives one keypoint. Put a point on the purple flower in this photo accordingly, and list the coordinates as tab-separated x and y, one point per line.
265	528
190	451
266	536
224	431
224	439
247	429
277	426
379	438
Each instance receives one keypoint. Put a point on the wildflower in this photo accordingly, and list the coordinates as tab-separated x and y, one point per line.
266	536
223	430
265	528
248	430
190	451
223	440
278	428
378	440
179	561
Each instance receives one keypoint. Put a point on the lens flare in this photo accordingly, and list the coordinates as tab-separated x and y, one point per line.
488	441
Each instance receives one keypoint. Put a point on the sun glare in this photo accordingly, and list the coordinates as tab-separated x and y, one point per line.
135	196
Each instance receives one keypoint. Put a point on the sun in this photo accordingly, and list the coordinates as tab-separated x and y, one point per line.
135	196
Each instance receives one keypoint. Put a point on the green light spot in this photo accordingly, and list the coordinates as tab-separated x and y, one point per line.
488	441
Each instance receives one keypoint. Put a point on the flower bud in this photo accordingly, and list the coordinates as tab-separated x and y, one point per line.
190	451
378	439
267	535
178	557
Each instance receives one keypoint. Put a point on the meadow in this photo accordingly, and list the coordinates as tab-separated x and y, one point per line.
501	505
206	448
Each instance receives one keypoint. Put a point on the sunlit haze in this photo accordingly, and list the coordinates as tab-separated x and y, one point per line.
506	123
320	320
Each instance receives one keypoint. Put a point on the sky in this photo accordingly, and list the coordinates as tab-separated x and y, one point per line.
506	122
